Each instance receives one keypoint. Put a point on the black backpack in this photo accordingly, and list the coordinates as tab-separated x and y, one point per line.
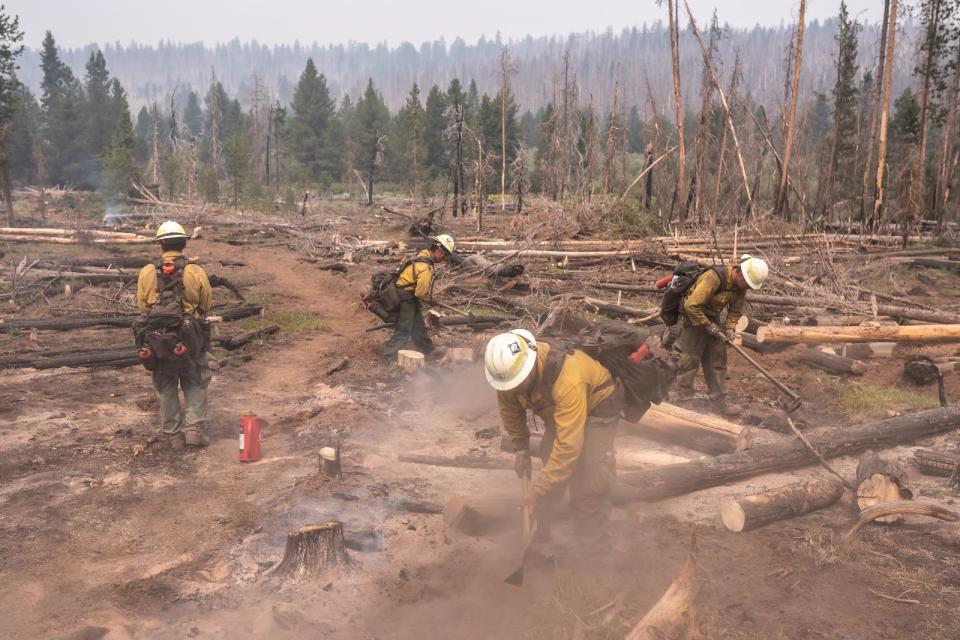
684	277
644	381
384	297
169	339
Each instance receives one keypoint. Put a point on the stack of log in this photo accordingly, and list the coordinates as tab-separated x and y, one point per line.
70	236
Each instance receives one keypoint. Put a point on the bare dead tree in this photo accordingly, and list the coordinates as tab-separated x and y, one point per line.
155	148
518	171
507	69
874	116
455	133
781	204
884	114
590	153
673	8
216	115
706	100
949	152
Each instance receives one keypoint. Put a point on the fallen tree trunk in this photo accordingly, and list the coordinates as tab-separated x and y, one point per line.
895	333
936	463
949	265
678	479
693	430
894	311
620	311
104	358
239	340
866	350
226	313
831	362
751	512
80	239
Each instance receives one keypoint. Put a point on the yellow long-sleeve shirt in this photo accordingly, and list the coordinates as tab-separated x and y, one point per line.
583	383
197	295
708	297
418	277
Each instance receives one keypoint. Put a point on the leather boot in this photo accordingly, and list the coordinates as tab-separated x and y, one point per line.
175	440
195	438
720	407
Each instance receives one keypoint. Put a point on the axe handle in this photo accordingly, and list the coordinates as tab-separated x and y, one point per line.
766	374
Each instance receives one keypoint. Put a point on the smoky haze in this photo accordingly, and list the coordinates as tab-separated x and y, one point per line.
76	24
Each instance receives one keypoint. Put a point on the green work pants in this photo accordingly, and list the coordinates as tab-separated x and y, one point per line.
594	476
410	326
192	415
699	349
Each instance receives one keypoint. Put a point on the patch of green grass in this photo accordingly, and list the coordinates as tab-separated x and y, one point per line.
289	321
483	312
866	401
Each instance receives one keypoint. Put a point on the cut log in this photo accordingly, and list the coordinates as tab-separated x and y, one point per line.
460	462
697	431
906	507
880	481
778	504
311	550
820	335
481	516
673	616
98	358
750	342
459	354
678	479
866	350
409	361
895	311
936	463
830	362
239	340
66	324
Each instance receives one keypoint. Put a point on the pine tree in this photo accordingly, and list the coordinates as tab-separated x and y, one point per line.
63	120
20	148
10	49
193	115
141	136
313	113
121	164
409	142
635	131
842	162
368	132
236	154
99	118
434	137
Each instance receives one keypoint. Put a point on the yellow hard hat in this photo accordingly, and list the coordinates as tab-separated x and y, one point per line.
171	230
445	242
509	359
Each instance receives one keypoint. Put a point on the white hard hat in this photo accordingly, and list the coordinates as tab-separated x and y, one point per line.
509	359
171	230
446	242
754	271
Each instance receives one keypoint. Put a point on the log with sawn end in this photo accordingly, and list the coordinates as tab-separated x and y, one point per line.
678	479
697	431
823	335
831	362
772	505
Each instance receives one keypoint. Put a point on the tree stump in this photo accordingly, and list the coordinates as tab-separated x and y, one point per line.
921	370
459	354
770	506
330	462
409	361
311	550
880	481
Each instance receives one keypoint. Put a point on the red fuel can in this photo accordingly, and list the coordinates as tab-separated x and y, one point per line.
249	438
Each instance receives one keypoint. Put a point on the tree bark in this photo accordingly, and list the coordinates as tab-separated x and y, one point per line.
673	7
884	115
830	362
894	333
694	430
936	463
758	510
874	116
788	147
678	479
311	550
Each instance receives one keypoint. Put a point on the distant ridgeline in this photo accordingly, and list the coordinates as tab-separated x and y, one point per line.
642	53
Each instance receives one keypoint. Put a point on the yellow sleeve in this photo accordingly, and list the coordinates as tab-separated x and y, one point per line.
703	289
570	418
424	275
735	312
196	286
514	419
147	288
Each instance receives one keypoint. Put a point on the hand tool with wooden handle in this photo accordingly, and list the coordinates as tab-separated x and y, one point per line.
795	400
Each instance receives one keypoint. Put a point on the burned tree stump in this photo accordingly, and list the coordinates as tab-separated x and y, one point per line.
311	550
770	506
921	370
880	481
330	462
409	361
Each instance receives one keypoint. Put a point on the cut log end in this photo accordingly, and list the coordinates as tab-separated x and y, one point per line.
409	361
311	550
733	516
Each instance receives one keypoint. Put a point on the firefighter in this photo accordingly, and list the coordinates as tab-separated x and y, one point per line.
703	340
580	404
415	288
183	288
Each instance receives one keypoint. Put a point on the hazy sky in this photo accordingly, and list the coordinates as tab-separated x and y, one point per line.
80	22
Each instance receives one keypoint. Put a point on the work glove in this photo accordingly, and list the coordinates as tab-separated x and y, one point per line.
523	465
730	334
713	330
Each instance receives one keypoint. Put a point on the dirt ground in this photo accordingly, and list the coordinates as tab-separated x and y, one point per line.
104	532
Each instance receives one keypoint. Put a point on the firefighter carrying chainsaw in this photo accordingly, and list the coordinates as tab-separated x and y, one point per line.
398	297
692	306
173	336
580	387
